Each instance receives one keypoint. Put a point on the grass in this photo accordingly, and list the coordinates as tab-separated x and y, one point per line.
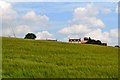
47	59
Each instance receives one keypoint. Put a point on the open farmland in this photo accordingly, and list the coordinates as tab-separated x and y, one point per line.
48	59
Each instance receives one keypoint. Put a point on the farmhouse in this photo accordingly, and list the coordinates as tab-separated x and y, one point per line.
74	40
78	41
83	41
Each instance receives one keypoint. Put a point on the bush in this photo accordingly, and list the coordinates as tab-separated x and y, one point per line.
117	46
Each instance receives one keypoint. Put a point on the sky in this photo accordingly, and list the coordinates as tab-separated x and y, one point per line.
61	20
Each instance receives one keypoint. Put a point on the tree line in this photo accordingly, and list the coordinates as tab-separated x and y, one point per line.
93	41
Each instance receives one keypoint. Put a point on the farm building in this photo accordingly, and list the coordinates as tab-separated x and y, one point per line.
51	40
74	40
78	41
83	41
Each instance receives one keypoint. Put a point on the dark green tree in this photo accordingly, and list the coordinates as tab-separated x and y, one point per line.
30	36
85	38
90	39
117	46
98	42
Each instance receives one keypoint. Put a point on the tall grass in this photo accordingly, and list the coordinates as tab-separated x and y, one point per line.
48	59
0	57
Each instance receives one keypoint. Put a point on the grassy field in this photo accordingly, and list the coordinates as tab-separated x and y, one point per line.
46	59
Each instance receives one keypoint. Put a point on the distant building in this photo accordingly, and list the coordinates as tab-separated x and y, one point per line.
51	40
83	41
78	41
74	40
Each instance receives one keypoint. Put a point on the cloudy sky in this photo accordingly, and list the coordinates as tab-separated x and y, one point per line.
61	20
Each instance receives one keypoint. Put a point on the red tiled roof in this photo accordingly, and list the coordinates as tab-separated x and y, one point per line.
83	41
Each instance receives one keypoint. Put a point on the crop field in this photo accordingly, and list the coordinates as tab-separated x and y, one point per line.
23	58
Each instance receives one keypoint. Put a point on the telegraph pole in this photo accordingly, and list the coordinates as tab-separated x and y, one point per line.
13	31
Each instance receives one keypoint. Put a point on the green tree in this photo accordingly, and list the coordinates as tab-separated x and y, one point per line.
85	38
30	36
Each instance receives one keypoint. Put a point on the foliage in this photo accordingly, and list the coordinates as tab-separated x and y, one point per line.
85	38
23	58
92	41
30	36
117	46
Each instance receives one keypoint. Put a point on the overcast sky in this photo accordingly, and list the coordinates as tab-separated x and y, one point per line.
61	20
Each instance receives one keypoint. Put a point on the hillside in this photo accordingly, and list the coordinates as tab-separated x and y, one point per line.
47	59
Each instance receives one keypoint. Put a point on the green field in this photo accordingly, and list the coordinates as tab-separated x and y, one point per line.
47	59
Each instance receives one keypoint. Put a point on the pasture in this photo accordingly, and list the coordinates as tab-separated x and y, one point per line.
23	58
